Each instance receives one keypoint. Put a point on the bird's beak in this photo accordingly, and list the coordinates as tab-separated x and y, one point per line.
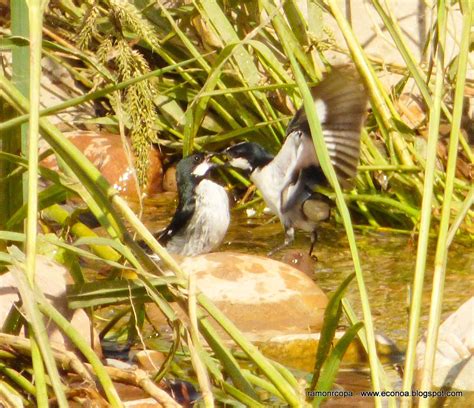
208	158
225	157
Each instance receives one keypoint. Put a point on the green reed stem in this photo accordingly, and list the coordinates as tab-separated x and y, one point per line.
35	20
422	250
40	374
195	346
17	378
441	256
323	156
83	347
95	95
35	14
466	206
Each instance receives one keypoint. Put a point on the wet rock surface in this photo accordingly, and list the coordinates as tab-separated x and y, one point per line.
109	154
263	297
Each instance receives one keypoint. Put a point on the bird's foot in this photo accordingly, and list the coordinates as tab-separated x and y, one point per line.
289	238
314	238
277	249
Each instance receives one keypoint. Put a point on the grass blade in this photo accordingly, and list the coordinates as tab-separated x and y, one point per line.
331	365
422	249
441	256
332	315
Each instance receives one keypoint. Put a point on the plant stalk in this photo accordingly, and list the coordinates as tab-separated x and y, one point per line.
423	238
441	256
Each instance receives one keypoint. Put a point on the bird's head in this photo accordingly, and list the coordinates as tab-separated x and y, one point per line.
247	156
196	166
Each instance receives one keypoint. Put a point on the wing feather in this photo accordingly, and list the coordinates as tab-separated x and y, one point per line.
341	104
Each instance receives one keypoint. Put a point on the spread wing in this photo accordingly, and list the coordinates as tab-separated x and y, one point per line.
341	103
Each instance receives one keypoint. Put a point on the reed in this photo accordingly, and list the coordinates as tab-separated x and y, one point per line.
200	77
442	246
426	208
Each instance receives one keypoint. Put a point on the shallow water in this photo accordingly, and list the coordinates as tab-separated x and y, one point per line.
388	263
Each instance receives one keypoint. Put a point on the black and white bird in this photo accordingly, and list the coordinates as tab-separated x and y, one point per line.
287	180
202	216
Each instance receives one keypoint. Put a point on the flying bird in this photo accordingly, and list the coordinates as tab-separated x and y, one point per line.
287	180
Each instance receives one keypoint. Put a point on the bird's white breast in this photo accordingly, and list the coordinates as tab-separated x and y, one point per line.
208	225
272	178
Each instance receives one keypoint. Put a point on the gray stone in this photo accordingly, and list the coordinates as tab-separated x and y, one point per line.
51	278
454	363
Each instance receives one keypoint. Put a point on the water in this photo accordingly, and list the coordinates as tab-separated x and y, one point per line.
388	263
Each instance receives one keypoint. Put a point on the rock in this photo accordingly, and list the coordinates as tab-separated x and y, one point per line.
263	297
299	350
300	260
169	180
454	365
51	278
107	152
411	108
149	360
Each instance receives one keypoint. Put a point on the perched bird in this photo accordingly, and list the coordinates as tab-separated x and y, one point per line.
287	180
202	217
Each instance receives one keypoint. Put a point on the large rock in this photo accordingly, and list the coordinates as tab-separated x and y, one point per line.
263	297
454	362
107	152
51	278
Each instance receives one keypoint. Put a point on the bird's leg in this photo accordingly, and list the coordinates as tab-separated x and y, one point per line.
289	238
314	238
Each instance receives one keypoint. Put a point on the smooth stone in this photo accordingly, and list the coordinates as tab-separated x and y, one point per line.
454	362
107	152
299	351
263	297
169	180
51	278
301	260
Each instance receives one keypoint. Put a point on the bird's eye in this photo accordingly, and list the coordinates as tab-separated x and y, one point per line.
197	159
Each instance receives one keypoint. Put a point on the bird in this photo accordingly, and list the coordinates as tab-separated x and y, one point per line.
202	216
288	179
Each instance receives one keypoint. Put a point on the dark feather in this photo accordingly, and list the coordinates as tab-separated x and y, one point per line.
341	104
181	217
187	183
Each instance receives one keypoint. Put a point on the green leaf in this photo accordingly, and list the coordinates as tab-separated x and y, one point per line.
213	13
332	315
8	42
53	194
227	359
331	365
109	292
12	236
